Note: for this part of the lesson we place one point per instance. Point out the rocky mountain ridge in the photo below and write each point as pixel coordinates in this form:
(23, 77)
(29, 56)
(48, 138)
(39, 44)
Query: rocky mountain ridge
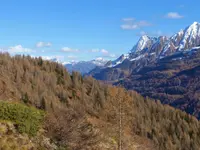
(148, 50)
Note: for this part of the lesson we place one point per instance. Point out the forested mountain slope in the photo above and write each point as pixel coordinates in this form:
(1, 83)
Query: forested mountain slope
(82, 113)
(174, 80)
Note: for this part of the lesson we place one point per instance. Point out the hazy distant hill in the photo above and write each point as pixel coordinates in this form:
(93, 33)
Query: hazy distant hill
(85, 66)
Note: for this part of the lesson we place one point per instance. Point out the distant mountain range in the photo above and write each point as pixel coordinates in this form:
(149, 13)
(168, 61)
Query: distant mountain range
(85, 66)
(162, 68)
(148, 50)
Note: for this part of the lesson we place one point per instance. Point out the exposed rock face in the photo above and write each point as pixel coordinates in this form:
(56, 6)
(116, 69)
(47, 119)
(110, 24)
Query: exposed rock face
(147, 50)
(162, 68)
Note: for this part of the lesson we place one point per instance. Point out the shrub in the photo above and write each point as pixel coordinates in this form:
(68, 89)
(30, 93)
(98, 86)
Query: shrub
(27, 119)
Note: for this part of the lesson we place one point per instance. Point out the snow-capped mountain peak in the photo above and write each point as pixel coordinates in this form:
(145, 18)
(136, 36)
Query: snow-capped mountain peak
(191, 36)
(72, 62)
(143, 43)
(177, 35)
(99, 61)
(194, 24)
(85, 66)
(117, 61)
(157, 48)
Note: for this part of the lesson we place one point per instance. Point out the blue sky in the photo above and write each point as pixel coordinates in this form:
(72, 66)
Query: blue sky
(86, 29)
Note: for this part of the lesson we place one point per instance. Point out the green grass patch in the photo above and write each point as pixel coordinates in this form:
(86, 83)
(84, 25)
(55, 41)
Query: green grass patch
(27, 119)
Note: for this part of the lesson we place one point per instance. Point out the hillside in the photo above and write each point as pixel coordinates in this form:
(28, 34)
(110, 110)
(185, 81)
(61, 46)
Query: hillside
(163, 68)
(174, 80)
(19, 125)
(82, 113)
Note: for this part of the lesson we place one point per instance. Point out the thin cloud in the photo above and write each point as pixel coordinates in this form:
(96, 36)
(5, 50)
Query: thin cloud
(43, 44)
(152, 33)
(173, 15)
(143, 24)
(104, 51)
(156, 33)
(129, 26)
(128, 19)
(112, 56)
(67, 49)
(99, 58)
(182, 6)
(72, 57)
(58, 57)
(132, 24)
(94, 50)
(107, 54)
(141, 33)
(19, 49)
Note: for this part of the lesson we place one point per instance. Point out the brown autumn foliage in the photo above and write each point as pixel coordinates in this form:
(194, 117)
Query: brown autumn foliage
(84, 113)
(174, 80)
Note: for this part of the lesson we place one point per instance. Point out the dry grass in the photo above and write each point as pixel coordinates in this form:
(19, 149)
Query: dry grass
(10, 139)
